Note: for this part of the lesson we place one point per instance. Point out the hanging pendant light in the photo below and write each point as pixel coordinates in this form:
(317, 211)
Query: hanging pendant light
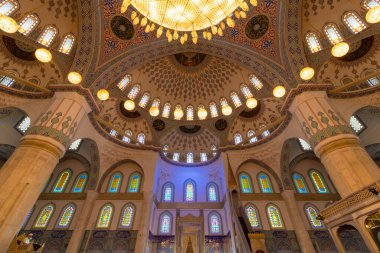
(74, 77)
(154, 111)
(226, 110)
(279, 91)
(307, 73)
(129, 105)
(373, 15)
(178, 113)
(251, 103)
(340, 49)
(43, 55)
(103, 94)
(8, 24)
(202, 113)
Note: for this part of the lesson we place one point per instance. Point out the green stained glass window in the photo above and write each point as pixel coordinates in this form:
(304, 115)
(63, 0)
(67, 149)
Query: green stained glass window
(318, 182)
(66, 216)
(312, 215)
(245, 182)
(265, 184)
(115, 182)
(134, 182)
(127, 216)
(274, 217)
(104, 219)
(44, 216)
(252, 216)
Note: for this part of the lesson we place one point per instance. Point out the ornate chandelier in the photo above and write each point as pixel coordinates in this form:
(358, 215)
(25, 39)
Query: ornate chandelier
(182, 18)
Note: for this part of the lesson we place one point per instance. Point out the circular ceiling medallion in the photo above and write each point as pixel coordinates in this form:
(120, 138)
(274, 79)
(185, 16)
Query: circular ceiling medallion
(248, 113)
(19, 49)
(221, 124)
(358, 49)
(122, 28)
(257, 27)
(190, 129)
(158, 125)
(128, 114)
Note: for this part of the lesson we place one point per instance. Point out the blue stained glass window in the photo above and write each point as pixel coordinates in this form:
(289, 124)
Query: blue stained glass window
(300, 184)
(189, 191)
(165, 223)
(274, 217)
(252, 215)
(114, 184)
(66, 216)
(80, 183)
(265, 184)
(134, 182)
(62, 181)
(245, 182)
(168, 192)
(215, 225)
(212, 192)
(312, 215)
(318, 181)
(44, 216)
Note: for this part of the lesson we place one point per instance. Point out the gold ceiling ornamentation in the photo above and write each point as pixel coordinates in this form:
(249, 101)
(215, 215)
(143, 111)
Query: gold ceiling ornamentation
(186, 17)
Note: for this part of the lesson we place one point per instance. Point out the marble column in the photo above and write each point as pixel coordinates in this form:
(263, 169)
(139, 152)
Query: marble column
(82, 224)
(297, 220)
(348, 164)
(143, 233)
(24, 175)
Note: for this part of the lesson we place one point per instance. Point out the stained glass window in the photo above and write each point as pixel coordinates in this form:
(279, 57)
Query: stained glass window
(7, 81)
(24, 125)
(190, 191)
(134, 91)
(126, 137)
(127, 79)
(312, 215)
(369, 4)
(212, 192)
(190, 158)
(62, 181)
(66, 216)
(264, 182)
(250, 134)
(75, 145)
(203, 157)
(213, 148)
(274, 217)
(354, 22)
(213, 110)
(7, 7)
(238, 138)
(134, 182)
(176, 156)
(356, 124)
(144, 100)
(166, 110)
(255, 82)
(190, 113)
(141, 138)
(127, 216)
(28, 23)
(215, 225)
(80, 182)
(252, 216)
(313, 42)
(318, 181)
(304, 145)
(44, 216)
(266, 133)
(67, 44)
(48, 35)
(105, 216)
(115, 182)
(332, 33)
(113, 133)
(235, 99)
(167, 192)
(373, 81)
(165, 223)
(300, 184)
(246, 91)
(245, 182)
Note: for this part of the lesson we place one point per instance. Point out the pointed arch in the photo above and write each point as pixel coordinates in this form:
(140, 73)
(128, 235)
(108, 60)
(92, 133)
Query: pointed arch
(48, 35)
(66, 216)
(212, 192)
(115, 182)
(313, 42)
(124, 82)
(300, 183)
(62, 181)
(189, 191)
(127, 216)
(354, 22)
(275, 217)
(264, 182)
(167, 194)
(312, 214)
(318, 181)
(215, 226)
(44, 216)
(245, 183)
(28, 24)
(252, 215)
(80, 183)
(166, 223)
(105, 216)
(67, 43)
(332, 33)
(134, 182)
(7, 7)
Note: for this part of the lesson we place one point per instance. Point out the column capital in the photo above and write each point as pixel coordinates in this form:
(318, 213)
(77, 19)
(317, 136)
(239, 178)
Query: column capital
(335, 143)
(43, 142)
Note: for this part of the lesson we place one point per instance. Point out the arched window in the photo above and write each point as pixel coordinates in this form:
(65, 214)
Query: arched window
(203, 157)
(332, 33)
(245, 183)
(190, 191)
(176, 157)
(190, 112)
(167, 192)
(202, 116)
(274, 216)
(44, 216)
(246, 91)
(134, 182)
(127, 136)
(213, 148)
(212, 192)
(250, 134)
(166, 110)
(23, 125)
(356, 124)
(144, 99)
(134, 91)
(318, 181)
(28, 23)
(67, 44)
(189, 158)
(304, 145)
(235, 99)
(115, 182)
(264, 182)
(48, 35)
(7, 81)
(156, 103)
(165, 227)
(313, 43)
(300, 184)
(62, 181)
(215, 223)
(354, 22)
(255, 82)
(7, 7)
(312, 215)
(369, 4)
(252, 216)
(213, 110)
(114, 133)
(80, 183)
(66, 216)
(165, 148)
(105, 216)
(127, 216)
(238, 138)
(127, 79)
(75, 145)
(141, 138)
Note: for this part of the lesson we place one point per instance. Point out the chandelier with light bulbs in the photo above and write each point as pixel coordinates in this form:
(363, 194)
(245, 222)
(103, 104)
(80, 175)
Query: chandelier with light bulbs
(182, 18)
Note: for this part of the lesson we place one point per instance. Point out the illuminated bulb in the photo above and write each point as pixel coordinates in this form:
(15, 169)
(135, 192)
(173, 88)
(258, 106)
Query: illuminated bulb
(8, 24)
(230, 22)
(147, 29)
(185, 36)
(279, 91)
(152, 27)
(43, 55)
(178, 113)
(125, 5)
(154, 111)
(144, 21)
(182, 40)
(244, 6)
(209, 36)
(253, 2)
(226, 110)
(222, 25)
(307, 73)
(214, 29)
(133, 15)
(194, 33)
(195, 40)
(175, 35)
(251, 103)
(74, 78)
(237, 14)
(340, 49)
(204, 35)
(202, 113)
(243, 14)
(373, 15)
(220, 31)
(103, 94)
(136, 21)
(159, 31)
(129, 105)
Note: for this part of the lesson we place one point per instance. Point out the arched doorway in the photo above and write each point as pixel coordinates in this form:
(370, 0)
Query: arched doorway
(351, 239)
(372, 224)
